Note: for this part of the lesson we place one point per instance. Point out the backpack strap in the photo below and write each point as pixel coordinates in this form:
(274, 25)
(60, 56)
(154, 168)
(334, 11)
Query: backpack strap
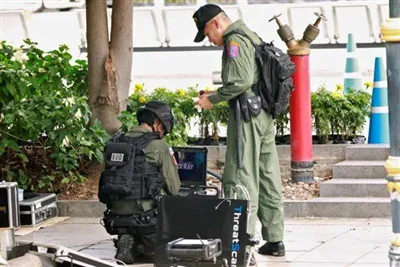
(141, 141)
(147, 138)
(243, 33)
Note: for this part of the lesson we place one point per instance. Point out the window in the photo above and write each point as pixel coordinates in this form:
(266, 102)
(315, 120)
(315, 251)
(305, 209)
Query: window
(223, 2)
(143, 2)
(180, 2)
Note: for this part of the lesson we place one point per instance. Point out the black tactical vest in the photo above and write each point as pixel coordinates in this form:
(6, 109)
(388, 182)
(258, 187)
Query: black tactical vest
(127, 175)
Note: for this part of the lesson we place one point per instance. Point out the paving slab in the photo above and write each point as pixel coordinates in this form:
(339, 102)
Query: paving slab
(309, 242)
(322, 255)
(374, 258)
(301, 245)
(306, 264)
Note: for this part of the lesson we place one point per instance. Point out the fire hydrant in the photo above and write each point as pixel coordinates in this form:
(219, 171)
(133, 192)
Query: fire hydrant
(300, 101)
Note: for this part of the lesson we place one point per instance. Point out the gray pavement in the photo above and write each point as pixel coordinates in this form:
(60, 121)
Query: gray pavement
(309, 242)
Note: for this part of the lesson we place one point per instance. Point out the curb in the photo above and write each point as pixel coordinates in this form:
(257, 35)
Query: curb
(316, 207)
(80, 208)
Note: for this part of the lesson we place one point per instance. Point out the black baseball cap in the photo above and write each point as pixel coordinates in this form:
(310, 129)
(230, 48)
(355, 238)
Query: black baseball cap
(202, 16)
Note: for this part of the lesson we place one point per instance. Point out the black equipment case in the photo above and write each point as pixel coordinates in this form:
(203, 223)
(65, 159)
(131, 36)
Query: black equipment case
(201, 218)
(37, 208)
(9, 211)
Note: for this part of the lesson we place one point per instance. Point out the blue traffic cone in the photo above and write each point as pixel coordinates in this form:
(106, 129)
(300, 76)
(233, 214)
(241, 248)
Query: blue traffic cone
(379, 120)
(352, 75)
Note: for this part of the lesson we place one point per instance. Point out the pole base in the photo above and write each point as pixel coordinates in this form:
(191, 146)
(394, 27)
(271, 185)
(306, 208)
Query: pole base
(302, 172)
(394, 256)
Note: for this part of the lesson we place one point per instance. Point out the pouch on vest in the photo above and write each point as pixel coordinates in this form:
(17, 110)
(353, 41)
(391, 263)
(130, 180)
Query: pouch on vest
(119, 160)
(119, 154)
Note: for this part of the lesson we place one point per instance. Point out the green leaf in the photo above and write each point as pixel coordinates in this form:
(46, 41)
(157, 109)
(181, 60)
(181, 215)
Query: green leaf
(23, 178)
(11, 144)
(23, 157)
(65, 180)
(12, 90)
(99, 155)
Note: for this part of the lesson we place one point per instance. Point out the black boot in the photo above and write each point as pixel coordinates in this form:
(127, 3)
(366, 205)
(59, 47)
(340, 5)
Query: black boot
(272, 248)
(124, 251)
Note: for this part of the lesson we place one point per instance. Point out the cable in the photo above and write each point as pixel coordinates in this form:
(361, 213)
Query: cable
(111, 259)
(248, 198)
(251, 257)
(219, 204)
(245, 191)
(216, 175)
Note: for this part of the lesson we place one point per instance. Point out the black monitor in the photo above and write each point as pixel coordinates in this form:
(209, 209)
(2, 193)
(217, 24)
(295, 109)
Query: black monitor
(192, 165)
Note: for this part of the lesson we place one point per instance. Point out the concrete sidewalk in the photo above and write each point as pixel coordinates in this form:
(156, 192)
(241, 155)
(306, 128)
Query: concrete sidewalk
(309, 242)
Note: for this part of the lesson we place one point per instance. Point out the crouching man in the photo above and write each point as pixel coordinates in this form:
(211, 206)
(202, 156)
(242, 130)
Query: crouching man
(139, 168)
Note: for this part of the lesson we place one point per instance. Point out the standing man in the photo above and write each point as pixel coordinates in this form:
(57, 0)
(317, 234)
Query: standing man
(139, 166)
(259, 173)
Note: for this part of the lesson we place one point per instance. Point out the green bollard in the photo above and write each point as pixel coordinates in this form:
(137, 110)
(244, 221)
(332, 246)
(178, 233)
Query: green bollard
(392, 166)
(390, 33)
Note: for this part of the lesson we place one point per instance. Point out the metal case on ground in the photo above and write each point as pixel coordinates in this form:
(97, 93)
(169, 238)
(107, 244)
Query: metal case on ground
(194, 249)
(9, 209)
(37, 208)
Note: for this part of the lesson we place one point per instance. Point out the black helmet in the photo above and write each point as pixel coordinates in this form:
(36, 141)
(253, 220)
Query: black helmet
(162, 111)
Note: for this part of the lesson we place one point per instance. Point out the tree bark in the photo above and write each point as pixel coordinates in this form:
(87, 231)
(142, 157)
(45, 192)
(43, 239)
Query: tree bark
(110, 63)
(121, 46)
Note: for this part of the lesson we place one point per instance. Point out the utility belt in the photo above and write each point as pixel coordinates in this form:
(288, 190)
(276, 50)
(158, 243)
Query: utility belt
(129, 224)
(250, 105)
(244, 106)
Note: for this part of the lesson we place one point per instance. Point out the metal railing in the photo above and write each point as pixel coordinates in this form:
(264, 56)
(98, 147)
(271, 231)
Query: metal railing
(166, 33)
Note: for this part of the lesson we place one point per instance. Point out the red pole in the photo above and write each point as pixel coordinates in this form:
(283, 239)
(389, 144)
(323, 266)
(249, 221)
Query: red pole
(300, 112)
(300, 122)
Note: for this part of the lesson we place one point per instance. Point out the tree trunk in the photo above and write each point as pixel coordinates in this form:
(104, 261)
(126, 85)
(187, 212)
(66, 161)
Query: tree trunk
(109, 64)
(121, 46)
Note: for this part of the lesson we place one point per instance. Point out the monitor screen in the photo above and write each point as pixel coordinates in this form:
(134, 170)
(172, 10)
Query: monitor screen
(192, 165)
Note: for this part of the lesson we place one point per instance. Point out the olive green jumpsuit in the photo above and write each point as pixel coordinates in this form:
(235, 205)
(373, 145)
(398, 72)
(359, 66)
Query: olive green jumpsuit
(260, 173)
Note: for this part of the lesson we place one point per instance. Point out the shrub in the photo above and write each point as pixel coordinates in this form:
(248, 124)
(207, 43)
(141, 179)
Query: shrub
(45, 138)
(338, 113)
(282, 124)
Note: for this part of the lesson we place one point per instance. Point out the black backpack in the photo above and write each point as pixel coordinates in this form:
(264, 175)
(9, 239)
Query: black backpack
(275, 84)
